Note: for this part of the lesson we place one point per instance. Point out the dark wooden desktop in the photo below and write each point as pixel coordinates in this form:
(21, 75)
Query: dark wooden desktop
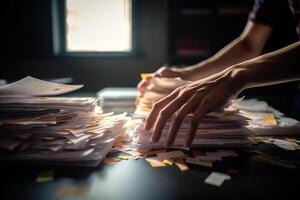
(137, 180)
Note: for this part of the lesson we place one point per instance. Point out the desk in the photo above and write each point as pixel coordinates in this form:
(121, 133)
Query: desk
(135, 179)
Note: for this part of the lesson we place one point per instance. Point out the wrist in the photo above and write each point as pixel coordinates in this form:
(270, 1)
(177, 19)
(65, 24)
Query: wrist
(239, 75)
(197, 71)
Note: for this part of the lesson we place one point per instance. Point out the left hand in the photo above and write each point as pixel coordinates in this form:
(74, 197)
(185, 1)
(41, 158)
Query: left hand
(199, 97)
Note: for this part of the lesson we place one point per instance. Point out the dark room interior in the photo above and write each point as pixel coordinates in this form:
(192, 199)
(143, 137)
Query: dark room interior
(60, 40)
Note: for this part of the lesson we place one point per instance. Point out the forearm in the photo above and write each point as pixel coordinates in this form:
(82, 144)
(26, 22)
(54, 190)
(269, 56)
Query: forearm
(279, 66)
(248, 45)
(235, 52)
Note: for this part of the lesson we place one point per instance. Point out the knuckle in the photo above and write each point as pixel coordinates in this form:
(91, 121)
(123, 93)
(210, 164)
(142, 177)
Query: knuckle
(156, 106)
(185, 91)
(178, 89)
(164, 113)
(178, 116)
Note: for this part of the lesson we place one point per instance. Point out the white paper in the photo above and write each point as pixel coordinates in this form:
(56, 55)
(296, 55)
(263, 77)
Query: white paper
(216, 178)
(30, 86)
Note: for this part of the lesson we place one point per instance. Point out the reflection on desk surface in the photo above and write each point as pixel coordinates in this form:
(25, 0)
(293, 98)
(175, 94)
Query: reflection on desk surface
(136, 179)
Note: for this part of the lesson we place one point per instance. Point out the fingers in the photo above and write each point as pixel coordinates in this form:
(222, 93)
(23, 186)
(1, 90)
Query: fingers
(209, 103)
(179, 117)
(143, 84)
(151, 119)
(165, 114)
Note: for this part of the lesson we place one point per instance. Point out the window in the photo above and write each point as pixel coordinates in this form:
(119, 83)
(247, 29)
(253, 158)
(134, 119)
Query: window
(93, 26)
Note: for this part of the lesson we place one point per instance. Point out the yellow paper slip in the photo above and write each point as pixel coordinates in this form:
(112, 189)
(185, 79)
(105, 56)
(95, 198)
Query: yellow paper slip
(168, 162)
(181, 165)
(155, 162)
(146, 75)
(171, 154)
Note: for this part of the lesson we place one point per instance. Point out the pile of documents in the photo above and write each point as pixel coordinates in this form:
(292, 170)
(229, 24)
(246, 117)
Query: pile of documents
(217, 129)
(117, 100)
(221, 128)
(266, 120)
(53, 130)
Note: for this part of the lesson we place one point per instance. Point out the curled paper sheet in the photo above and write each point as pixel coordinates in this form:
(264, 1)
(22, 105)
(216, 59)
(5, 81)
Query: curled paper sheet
(30, 86)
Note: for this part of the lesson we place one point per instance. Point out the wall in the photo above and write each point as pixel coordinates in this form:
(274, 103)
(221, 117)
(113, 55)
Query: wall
(27, 41)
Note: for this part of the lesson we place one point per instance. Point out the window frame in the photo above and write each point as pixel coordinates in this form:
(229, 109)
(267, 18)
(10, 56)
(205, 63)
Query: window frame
(58, 12)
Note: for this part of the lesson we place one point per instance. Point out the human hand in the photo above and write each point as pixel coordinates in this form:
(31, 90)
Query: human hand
(199, 97)
(162, 72)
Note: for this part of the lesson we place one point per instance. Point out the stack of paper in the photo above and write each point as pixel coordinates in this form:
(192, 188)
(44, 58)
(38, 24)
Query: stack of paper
(53, 130)
(218, 129)
(117, 100)
(265, 120)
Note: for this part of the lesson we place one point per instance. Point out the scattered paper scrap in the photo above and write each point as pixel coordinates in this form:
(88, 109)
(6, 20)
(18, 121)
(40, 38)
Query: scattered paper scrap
(65, 191)
(195, 161)
(290, 144)
(155, 162)
(146, 76)
(181, 165)
(216, 178)
(111, 161)
(151, 152)
(283, 144)
(125, 156)
(45, 176)
(171, 154)
(168, 162)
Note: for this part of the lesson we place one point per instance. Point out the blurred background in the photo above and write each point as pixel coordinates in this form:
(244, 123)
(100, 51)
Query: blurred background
(108, 43)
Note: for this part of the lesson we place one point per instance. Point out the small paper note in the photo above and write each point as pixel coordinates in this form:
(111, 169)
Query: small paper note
(181, 165)
(171, 154)
(155, 162)
(216, 178)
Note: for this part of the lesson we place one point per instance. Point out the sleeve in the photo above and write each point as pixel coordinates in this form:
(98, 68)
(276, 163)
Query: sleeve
(268, 12)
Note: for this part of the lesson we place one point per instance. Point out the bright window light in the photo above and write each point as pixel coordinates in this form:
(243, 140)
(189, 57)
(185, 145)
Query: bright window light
(98, 26)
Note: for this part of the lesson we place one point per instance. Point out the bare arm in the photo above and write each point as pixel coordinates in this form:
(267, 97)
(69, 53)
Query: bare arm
(276, 67)
(248, 45)
(206, 95)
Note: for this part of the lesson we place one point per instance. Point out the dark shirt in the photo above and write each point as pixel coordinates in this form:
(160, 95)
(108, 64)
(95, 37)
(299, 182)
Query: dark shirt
(275, 12)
